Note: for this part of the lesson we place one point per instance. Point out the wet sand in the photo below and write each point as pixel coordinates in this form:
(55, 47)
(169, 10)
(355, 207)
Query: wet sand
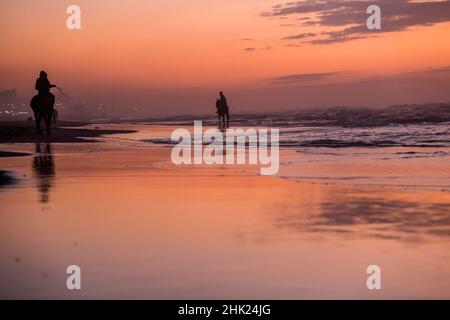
(5, 179)
(63, 132)
(4, 154)
(140, 227)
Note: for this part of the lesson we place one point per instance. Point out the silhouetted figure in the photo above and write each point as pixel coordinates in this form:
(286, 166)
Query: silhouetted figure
(43, 86)
(219, 107)
(44, 169)
(223, 110)
(43, 103)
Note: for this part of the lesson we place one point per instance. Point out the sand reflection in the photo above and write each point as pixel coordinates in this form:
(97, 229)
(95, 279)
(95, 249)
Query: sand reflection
(376, 214)
(44, 170)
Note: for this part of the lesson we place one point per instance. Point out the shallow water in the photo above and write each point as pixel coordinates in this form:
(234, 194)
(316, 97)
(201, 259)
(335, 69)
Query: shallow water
(139, 227)
(412, 135)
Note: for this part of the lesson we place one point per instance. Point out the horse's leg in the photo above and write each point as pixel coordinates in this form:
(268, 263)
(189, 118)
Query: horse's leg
(35, 113)
(38, 119)
(48, 121)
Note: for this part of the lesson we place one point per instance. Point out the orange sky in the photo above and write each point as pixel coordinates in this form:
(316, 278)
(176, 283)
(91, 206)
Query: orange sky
(161, 46)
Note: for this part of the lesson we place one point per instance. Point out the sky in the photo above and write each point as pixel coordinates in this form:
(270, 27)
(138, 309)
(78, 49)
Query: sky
(173, 56)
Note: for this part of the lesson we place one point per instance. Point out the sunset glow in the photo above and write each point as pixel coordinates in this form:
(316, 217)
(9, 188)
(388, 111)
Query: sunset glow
(150, 51)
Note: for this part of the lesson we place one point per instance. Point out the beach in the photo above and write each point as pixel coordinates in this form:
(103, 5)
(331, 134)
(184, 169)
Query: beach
(64, 132)
(225, 156)
(141, 227)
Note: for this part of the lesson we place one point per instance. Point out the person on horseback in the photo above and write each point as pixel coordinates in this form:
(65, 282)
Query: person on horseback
(224, 109)
(43, 103)
(43, 87)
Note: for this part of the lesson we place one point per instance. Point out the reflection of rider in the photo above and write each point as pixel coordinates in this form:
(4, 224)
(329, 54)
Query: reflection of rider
(43, 86)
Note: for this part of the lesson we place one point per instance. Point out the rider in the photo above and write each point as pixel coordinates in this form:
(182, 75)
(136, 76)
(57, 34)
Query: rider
(225, 108)
(43, 87)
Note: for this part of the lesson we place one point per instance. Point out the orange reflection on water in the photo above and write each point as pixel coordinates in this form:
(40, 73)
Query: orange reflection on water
(141, 228)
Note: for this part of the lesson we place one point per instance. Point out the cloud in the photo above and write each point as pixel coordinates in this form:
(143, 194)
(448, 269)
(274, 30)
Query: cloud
(292, 45)
(432, 71)
(444, 69)
(251, 49)
(300, 36)
(304, 77)
(348, 17)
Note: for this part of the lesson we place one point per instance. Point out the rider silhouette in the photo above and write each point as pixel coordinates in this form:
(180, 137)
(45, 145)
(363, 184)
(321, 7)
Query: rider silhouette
(43, 104)
(224, 109)
(43, 87)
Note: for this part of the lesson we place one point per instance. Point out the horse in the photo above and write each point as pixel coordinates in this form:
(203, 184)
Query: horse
(222, 111)
(43, 109)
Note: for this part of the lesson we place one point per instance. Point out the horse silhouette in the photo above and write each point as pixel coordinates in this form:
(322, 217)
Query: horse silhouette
(223, 111)
(43, 109)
